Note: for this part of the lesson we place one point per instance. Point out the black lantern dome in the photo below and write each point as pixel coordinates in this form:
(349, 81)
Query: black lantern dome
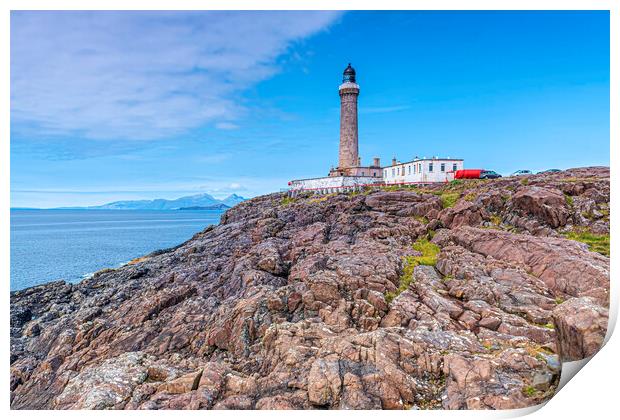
(349, 75)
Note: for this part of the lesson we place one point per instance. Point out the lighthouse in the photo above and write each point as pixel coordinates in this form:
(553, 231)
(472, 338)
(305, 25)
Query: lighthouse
(349, 161)
(349, 90)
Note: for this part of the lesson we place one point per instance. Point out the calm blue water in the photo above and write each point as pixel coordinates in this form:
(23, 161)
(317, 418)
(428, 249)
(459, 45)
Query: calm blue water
(49, 245)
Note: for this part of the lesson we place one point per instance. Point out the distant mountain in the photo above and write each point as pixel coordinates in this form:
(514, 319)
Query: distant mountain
(198, 200)
(220, 206)
(232, 200)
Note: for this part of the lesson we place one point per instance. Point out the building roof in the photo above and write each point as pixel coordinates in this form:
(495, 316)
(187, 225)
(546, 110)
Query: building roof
(422, 160)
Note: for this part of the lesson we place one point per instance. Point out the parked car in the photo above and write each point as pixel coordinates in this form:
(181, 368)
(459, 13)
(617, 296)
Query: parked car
(550, 171)
(489, 175)
(522, 172)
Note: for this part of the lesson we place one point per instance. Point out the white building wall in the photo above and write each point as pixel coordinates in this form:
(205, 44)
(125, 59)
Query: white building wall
(333, 183)
(422, 171)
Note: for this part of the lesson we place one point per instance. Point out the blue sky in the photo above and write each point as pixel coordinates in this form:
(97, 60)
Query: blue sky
(129, 105)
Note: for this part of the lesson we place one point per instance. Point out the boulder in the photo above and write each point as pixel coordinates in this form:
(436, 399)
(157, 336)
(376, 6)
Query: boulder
(581, 324)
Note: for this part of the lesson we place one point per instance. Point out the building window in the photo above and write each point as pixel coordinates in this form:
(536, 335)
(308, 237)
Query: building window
(393, 172)
(409, 169)
(430, 167)
(419, 167)
(454, 167)
(362, 173)
(443, 167)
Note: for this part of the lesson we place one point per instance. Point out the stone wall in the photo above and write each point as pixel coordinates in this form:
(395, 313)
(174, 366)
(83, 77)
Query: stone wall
(332, 184)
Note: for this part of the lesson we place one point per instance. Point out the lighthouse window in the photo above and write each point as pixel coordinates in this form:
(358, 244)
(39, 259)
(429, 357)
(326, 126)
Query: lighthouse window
(443, 167)
(454, 167)
(430, 167)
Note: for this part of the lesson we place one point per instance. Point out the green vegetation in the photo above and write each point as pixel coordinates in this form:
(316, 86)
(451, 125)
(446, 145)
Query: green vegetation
(596, 243)
(496, 220)
(286, 200)
(559, 300)
(569, 200)
(470, 196)
(429, 257)
(529, 391)
(449, 199)
(525, 181)
(422, 219)
(448, 277)
(321, 198)
(429, 252)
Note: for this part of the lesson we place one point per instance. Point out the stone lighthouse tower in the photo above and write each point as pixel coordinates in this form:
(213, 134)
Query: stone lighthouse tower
(348, 156)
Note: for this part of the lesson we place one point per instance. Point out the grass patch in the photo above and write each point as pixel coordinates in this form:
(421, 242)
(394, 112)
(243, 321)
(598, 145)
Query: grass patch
(321, 198)
(422, 219)
(286, 200)
(429, 252)
(529, 391)
(525, 181)
(596, 243)
(470, 196)
(569, 200)
(559, 300)
(429, 257)
(449, 199)
(496, 220)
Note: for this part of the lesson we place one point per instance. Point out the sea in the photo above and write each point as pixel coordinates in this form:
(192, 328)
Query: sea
(71, 245)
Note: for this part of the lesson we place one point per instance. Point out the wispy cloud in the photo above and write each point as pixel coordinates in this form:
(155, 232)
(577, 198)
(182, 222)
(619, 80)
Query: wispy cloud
(143, 75)
(226, 126)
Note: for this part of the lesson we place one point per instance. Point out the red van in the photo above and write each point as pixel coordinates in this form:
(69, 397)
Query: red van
(468, 174)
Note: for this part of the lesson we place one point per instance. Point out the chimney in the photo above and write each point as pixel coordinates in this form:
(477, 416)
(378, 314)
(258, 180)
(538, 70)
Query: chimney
(376, 162)
(394, 161)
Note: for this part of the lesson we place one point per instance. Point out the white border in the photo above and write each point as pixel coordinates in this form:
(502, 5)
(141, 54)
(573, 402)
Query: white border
(592, 395)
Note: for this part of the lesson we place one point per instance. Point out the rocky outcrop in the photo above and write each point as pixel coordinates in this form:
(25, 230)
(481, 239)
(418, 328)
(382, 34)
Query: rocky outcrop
(581, 324)
(324, 302)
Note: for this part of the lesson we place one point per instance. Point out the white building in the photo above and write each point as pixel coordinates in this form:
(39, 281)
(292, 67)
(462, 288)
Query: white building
(333, 184)
(421, 171)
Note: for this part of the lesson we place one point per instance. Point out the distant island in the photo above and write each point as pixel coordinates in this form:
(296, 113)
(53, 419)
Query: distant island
(191, 202)
(220, 206)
